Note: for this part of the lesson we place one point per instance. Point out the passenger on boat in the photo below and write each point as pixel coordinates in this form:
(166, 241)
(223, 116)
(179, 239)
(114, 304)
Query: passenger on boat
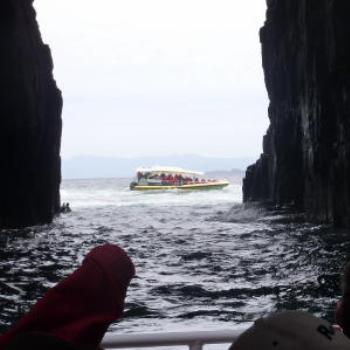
(342, 313)
(77, 311)
(188, 180)
(162, 178)
(291, 330)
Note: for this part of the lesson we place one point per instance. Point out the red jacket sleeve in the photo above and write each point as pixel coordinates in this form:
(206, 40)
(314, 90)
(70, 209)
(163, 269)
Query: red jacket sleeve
(81, 307)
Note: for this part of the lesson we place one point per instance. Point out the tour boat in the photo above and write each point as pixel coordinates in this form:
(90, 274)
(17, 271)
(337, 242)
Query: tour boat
(169, 178)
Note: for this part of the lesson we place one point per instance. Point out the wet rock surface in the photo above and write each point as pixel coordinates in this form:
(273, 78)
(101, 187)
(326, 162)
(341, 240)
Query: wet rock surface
(30, 120)
(305, 160)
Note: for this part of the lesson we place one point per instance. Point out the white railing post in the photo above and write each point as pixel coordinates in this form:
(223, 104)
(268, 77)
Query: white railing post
(197, 345)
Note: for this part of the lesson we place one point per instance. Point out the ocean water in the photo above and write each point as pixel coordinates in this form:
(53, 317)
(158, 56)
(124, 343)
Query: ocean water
(204, 261)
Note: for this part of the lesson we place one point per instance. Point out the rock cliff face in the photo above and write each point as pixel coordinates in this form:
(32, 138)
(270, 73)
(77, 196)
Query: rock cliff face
(305, 160)
(30, 121)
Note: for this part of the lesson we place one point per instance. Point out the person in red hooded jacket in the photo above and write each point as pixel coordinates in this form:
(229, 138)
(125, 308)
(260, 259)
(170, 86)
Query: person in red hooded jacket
(76, 313)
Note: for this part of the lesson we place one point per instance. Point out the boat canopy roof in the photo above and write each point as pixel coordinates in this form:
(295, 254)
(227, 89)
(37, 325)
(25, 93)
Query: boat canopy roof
(167, 170)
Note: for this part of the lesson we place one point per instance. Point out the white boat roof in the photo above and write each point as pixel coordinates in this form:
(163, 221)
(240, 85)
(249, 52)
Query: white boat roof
(167, 170)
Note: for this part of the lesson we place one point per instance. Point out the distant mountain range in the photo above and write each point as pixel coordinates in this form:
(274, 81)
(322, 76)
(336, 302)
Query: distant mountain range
(95, 166)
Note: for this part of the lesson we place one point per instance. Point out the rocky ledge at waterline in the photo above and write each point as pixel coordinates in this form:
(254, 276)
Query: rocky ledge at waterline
(306, 60)
(30, 120)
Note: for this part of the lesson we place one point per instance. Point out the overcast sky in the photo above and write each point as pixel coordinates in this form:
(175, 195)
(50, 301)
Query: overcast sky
(158, 77)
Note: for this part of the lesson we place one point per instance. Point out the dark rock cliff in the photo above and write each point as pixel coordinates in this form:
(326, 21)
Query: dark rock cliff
(30, 120)
(305, 160)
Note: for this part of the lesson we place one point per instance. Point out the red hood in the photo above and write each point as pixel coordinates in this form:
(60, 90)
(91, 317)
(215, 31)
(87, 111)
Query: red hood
(81, 307)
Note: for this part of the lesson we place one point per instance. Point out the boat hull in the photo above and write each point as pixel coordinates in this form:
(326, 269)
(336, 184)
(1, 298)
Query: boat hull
(198, 186)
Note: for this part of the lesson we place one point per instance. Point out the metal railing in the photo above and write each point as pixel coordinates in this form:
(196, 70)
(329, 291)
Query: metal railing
(194, 340)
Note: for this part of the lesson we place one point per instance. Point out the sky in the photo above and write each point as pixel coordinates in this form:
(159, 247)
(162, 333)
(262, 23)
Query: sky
(158, 77)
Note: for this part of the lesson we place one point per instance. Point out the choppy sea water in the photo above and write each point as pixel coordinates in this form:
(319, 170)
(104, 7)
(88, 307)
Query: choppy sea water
(203, 260)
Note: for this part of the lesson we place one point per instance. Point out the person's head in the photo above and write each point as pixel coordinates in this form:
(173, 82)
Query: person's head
(291, 330)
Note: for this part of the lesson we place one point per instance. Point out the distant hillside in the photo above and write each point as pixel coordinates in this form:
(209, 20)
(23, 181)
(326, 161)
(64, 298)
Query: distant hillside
(93, 166)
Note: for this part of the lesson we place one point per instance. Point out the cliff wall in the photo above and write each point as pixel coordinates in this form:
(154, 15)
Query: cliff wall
(306, 60)
(30, 121)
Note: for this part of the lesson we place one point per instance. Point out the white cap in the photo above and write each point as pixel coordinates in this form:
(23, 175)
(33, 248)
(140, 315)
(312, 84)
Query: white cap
(291, 330)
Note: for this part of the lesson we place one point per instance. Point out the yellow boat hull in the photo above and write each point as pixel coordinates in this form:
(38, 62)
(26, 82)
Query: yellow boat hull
(198, 186)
